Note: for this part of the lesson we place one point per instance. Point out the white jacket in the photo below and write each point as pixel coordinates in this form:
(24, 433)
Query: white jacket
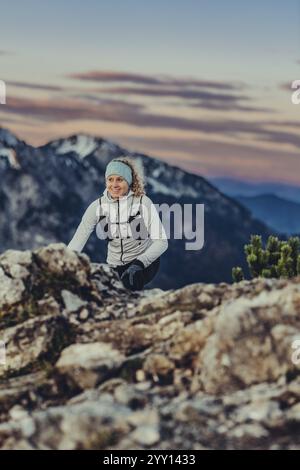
(121, 219)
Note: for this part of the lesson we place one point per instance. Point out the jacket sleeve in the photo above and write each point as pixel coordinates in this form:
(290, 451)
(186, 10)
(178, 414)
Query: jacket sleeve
(85, 228)
(156, 232)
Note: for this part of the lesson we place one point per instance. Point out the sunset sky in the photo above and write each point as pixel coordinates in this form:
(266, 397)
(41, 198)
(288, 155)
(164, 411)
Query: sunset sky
(204, 85)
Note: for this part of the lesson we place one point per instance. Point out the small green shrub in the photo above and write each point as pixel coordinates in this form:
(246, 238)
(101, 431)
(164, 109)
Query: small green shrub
(279, 259)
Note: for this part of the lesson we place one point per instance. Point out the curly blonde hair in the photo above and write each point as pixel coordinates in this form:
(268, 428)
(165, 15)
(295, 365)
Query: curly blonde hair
(138, 182)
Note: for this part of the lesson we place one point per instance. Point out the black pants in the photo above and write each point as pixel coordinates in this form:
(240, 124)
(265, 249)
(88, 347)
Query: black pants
(146, 274)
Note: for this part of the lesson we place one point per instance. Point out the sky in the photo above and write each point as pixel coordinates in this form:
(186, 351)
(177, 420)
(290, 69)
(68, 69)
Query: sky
(203, 85)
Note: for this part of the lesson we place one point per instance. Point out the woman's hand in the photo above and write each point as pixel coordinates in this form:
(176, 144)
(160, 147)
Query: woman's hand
(132, 277)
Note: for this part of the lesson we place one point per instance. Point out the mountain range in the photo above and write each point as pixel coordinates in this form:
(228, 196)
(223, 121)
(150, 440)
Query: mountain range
(45, 190)
(280, 214)
(234, 187)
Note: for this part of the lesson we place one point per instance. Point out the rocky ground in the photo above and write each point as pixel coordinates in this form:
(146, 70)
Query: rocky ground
(91, 365)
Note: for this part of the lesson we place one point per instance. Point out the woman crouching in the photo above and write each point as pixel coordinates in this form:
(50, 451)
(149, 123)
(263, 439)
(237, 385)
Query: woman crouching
(127, 218)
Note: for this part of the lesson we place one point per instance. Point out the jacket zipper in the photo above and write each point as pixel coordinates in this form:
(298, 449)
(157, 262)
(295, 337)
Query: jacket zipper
(120, 230)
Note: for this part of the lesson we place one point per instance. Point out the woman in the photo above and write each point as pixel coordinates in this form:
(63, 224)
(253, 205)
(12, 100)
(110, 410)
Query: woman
(130, 221)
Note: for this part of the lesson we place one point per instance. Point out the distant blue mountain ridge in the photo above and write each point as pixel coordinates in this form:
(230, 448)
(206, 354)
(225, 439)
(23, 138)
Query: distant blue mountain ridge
(235, 187)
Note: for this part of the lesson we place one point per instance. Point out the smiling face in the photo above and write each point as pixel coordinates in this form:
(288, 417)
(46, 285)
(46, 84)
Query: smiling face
(116, 186)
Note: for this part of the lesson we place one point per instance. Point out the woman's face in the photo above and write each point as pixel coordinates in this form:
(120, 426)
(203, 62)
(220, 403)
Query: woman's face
(116, 186)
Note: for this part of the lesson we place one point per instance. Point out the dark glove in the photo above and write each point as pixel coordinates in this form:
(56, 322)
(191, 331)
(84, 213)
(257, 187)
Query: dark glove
(132, 278)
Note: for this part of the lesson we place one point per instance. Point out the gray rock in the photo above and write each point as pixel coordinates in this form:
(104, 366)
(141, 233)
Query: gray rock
(72, 302)
(33, 342)
(146, 435)
(86, 365)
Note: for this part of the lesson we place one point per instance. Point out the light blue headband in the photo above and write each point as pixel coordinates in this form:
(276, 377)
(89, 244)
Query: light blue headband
(119, 168)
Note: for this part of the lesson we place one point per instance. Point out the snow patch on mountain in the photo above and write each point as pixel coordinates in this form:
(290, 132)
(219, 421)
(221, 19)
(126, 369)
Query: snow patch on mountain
(11, 157)
(82, 144)
(177, 191)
